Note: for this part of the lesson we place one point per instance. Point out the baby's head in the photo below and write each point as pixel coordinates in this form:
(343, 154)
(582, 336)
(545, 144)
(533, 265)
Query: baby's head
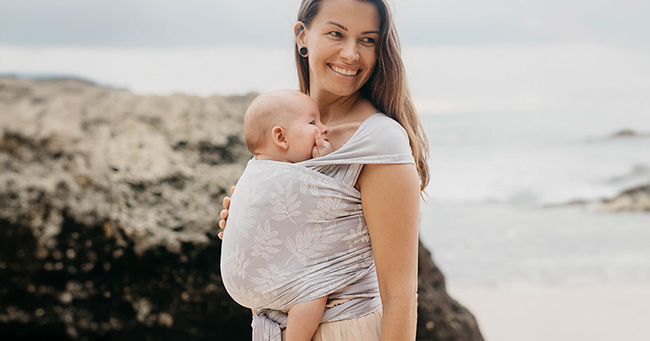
(283, 125)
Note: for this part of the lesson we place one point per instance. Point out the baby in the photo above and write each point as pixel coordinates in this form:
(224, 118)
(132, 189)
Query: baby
(285, 126)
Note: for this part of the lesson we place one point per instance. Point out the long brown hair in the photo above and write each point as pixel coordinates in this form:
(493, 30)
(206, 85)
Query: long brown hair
(387, 87)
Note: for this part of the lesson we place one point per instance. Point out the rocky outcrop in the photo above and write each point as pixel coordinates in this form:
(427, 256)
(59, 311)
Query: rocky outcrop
(636, 199)
(440, 317)
(108, 210)
(625, 133)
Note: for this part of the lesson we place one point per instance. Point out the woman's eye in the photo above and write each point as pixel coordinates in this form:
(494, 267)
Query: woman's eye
(369, 41)
(336, 34)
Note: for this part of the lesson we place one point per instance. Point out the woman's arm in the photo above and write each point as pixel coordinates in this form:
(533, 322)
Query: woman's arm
(390, 196)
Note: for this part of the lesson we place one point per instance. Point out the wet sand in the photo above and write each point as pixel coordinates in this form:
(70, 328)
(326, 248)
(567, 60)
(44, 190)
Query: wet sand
(587, 313)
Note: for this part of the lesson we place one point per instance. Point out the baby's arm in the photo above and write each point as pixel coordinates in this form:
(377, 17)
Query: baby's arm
(304, 318)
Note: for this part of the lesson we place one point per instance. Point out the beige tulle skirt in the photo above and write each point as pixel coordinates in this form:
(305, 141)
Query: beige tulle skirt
(364, 328)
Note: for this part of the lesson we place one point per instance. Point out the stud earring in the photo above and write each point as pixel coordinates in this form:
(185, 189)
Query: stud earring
(303, 51)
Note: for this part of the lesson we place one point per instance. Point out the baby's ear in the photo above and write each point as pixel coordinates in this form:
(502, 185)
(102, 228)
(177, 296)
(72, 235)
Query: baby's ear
(279, 137)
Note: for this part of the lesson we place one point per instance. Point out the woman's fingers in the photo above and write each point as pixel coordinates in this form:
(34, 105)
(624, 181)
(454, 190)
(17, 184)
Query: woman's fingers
(224, 213)
(222, 225)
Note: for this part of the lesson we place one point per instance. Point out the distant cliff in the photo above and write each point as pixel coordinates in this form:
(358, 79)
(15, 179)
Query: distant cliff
(109, 205)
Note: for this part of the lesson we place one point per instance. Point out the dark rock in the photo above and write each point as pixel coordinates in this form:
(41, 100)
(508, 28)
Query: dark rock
(629, 133)
(635, 199)
(440, 317)
(108, 210)
(625, 133)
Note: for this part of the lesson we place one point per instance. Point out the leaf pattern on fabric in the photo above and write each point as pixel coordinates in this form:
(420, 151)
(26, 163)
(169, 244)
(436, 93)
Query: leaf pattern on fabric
(357, 235)
(309, 244)
(241, 294)
(238, 263)
(308, 183)
(248, 212)
(284, 203)
(265, 241)
(271, 278)
(328, 209)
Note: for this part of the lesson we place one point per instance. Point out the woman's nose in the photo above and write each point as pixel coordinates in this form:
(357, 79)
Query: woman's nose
(349, 52)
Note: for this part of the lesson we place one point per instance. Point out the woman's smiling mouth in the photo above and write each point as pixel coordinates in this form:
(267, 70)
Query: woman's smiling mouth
(343, 72)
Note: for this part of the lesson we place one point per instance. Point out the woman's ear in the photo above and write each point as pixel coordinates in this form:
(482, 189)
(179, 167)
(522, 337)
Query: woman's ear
(300, 32)
(279, 137)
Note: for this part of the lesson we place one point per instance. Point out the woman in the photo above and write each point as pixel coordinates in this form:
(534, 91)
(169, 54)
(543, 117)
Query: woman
(349, 63)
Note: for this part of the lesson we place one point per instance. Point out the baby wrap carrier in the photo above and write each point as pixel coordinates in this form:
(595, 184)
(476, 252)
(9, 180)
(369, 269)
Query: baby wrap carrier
(295, 234)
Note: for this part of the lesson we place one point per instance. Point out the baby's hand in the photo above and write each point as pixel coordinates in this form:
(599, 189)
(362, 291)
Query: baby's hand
(322, 147)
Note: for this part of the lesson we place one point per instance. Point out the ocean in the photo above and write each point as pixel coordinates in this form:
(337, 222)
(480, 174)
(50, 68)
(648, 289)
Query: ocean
(494, 216)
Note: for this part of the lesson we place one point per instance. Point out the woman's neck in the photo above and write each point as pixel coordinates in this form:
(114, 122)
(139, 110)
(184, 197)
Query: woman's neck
(335, 108)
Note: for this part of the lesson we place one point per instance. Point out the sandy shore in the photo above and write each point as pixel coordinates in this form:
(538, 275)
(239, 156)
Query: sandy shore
(592, 313)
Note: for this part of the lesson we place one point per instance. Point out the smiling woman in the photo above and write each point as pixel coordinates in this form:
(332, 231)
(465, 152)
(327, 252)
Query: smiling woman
(370, 53)
(349, 63)
(338, 52)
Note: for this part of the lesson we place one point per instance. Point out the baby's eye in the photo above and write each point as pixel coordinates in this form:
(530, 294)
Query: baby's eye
(312, 122)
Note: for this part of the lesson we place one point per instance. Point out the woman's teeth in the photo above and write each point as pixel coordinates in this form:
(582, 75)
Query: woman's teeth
(344, 72)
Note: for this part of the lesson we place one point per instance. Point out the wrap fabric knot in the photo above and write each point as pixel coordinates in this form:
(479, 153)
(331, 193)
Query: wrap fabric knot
(296, 232)
(266, 328)
(268, 324)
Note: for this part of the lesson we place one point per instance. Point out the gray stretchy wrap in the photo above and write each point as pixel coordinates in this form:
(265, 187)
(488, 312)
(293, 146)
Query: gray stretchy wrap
(295, 234)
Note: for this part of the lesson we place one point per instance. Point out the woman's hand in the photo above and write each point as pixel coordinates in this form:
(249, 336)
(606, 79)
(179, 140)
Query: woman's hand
(224, 213)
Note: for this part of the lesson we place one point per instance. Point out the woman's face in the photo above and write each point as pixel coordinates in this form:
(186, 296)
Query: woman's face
(341, 41)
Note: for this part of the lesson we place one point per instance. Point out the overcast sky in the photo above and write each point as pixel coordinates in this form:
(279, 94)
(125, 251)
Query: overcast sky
(195, 23)
(461, 55)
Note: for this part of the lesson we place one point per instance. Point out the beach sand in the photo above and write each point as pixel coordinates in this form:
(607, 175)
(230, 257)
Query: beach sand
(560, 313)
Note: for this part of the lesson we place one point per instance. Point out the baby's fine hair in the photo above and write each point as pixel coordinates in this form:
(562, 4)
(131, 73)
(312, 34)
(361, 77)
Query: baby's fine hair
(266, 110)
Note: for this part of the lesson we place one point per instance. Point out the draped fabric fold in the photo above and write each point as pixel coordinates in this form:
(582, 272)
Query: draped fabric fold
(295, 234)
